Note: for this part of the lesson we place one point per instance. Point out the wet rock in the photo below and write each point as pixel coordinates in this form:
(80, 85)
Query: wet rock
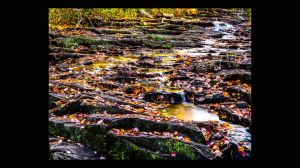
(216, 34)
(244, 76)
(120, 147)
(227, 64)
(186, 44)
(125, 79)
(110, 31)
(234, 118)
(203, 24)
(55, 57)
(157, 44)
(162, 31)
(245, 95)
(69, 151)
(53, 98)
(199, 68)
(147, 63)
(89, 108)
(107, 85)
(241, 105)
(129, 42)
(175, 78)
(172, 98)
(215, 98)
(233, 47)
(197, 83)
(245, 64)
(231, 153)
(87, 63)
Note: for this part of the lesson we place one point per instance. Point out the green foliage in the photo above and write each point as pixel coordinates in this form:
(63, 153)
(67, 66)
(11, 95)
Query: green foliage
(76, 41)
(248, 11)
(154, 37)
(73, 16)
(69, 42)
(76, 16)
(68, 16)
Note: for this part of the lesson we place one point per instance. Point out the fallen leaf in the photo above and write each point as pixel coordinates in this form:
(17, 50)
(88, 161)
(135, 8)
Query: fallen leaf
(225, 94)
(173, 154)
(240, 148)
(186, 139)
(55, 89)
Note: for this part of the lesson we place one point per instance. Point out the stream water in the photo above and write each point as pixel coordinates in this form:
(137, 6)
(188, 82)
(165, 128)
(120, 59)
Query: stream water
(191, 112)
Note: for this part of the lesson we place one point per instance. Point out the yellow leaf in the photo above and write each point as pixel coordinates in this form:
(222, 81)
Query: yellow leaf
(223, 116)
(225, 94)
(240, 148)
(186, 139)
(121, 131)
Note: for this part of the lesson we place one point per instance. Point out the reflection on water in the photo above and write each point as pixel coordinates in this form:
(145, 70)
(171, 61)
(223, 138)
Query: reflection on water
(189, 112)
(125, 58)
(95, 65)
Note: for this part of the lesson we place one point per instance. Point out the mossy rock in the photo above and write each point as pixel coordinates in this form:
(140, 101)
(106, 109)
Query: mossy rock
(168, 145)
(125, 147)
(77, 41)
(157, 45)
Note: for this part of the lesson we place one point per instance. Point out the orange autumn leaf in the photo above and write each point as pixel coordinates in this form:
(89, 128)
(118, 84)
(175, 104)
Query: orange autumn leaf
(148, 89)
(55, 89)
(229, 83)
(186, 139)
(225, 94)
(136, 91)
(238, 82)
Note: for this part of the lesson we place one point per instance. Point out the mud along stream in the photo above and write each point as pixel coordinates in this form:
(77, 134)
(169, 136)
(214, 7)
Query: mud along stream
(143, 89)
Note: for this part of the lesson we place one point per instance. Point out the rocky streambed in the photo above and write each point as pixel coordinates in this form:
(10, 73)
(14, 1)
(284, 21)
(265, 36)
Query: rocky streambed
(152, 88)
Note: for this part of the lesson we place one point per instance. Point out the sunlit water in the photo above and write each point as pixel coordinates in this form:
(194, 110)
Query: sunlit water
(189, 112)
